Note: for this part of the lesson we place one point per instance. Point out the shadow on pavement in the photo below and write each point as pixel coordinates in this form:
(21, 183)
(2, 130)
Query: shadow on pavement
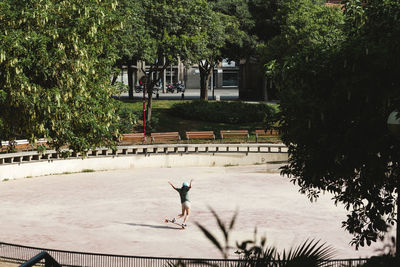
(152, 226)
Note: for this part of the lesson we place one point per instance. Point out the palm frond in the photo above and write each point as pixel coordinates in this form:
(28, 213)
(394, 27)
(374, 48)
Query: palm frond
(220, 224)
(210, 237)
(310, 253)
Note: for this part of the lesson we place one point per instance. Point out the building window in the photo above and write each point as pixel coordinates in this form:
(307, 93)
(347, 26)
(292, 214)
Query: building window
(228, 64)
(230, 78)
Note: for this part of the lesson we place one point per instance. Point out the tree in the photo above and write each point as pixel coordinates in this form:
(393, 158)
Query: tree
(245, 43)
(257, 24)
(263, 13)
(221, 29)
(55, 64)
(173, 29)
(129, 38)
(336, 95)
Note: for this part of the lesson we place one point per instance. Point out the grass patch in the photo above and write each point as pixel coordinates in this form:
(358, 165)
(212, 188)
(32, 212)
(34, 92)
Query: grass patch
(66, 173)
(231, 165)
(233, 112)
(6, 180)
(88, 170)
(165, 120)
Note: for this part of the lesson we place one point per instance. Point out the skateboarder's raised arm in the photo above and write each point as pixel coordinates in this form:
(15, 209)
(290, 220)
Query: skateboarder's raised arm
(190, 185)
(172, 185)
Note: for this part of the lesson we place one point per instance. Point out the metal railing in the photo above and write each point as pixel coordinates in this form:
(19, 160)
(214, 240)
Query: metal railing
(48, 260)
(18, 253)
(32, 156)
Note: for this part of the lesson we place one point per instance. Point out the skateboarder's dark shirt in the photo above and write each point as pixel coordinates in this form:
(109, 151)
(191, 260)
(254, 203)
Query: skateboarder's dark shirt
(183, 193)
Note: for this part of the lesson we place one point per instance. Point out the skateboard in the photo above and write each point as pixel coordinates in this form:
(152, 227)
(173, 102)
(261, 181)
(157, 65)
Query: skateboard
(170, 221)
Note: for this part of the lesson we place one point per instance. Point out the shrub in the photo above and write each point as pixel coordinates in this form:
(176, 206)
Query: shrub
(128, 119)
(223, 112)
(382, 261)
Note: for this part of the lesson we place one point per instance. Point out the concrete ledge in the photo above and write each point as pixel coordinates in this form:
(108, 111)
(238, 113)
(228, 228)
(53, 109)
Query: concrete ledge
(29, 164)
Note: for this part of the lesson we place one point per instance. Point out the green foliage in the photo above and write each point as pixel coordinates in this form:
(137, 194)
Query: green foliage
(263, 13)
(337, 90)
(88, 170)
(229, 112)
(128, 37)
(382, 261)
(120, 88)
(305, 27)
(55, 64)
(221, 30)
(169, 30)
(244, 44)
(172, 28)
(256, 253)
(128, 119)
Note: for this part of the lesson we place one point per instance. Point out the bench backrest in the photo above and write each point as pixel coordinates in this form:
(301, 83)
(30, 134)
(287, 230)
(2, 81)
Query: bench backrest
(200, 134)
(133, 135)
(235, 133)
(166, 135)
(19, 144)
(266, 132)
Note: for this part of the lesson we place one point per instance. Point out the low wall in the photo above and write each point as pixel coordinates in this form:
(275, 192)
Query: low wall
(30, 164)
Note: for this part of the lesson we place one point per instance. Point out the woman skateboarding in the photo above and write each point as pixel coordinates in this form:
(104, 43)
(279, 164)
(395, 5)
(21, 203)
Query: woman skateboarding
(184, 195)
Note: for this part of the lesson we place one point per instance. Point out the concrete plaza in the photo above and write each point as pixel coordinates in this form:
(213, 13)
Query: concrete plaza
(122, 212)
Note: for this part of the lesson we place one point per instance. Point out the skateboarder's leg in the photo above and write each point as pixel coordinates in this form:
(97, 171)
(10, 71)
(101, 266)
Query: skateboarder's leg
(182, 214)
(187, 211)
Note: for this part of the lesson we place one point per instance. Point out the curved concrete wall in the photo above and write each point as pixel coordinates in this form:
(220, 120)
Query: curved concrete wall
(144, 160)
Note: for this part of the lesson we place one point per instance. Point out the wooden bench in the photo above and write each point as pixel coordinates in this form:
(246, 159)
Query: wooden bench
(22, 145)
(41, 141)
(19, 145)
(266, 133)
(200, 135)
(131, 138)
(234, 133)
(165, 136)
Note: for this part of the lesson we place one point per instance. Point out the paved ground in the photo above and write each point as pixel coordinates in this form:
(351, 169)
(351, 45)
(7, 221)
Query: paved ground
(190, 94)
(122, 212)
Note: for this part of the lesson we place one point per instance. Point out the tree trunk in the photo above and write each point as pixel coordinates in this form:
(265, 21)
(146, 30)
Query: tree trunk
(397, 224)
(149, 88)
(208, 81)
(152, 78)
(130, 81)
(203, 85)
(114, 79)
(149, 106)
(207, 85)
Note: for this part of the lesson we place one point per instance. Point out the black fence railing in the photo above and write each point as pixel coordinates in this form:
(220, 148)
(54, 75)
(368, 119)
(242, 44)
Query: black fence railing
(48, 260)
(21, 254)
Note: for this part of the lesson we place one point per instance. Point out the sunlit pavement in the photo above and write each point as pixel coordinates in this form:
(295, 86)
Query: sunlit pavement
(122, 212)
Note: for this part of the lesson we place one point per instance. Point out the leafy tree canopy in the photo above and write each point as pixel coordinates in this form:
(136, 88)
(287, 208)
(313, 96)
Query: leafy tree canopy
(55, 59)
(172, 29)
(337, 89)
(132, 32)
(220, 31)
(257, 24)
(244, 44)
